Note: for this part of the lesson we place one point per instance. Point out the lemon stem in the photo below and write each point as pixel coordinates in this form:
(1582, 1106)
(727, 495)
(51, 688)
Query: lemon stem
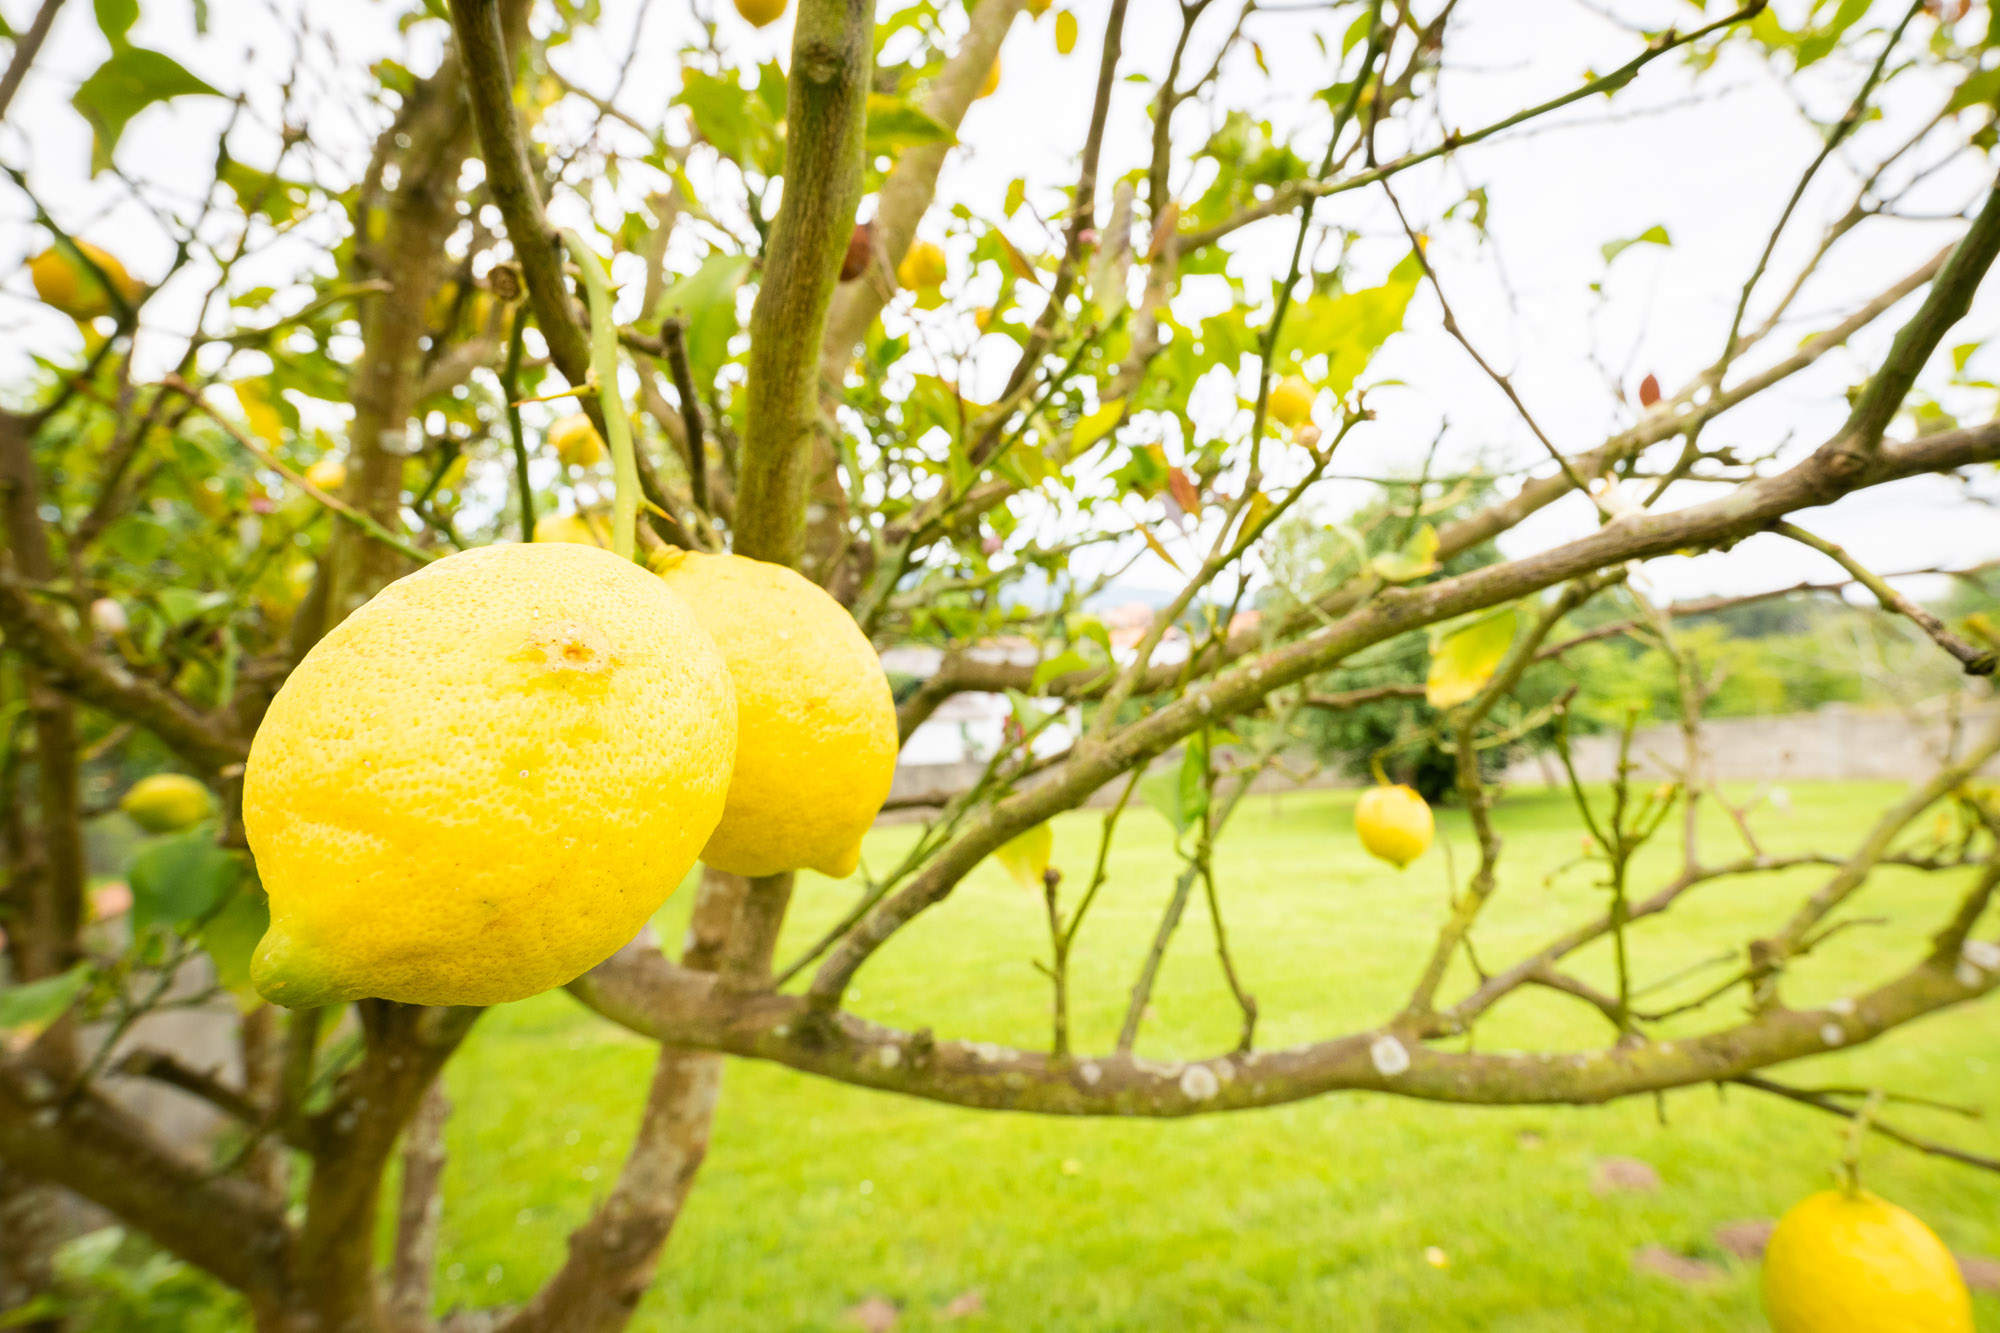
(1375, 767)
(604, 369)
(1857, 1133)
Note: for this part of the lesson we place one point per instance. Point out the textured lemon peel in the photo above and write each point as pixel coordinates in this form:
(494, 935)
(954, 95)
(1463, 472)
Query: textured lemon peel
(486, 780)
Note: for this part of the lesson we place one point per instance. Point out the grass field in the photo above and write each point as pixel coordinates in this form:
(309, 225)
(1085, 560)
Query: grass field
(1312, 1216)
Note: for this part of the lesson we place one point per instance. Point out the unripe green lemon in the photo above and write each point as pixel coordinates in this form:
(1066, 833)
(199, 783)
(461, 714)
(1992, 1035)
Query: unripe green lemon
(761, 13)
(1394, 824)
(816, 724)
(1844, 1262)
(485, 781)
(166, 802)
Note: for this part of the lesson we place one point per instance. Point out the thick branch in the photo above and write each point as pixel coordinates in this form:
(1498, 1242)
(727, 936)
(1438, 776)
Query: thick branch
(652, 997)
(825, 123)
(81, 1141)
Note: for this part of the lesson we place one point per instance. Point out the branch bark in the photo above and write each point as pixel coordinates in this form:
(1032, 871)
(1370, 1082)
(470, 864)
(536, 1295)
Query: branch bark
(826, 116)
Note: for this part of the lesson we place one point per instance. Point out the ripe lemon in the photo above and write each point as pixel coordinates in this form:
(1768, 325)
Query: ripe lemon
(924, 266)
(329, 474)
(1854, 1263)
(485, 780)
(816, 726)
(992, 84)
(166, 802)
(1291, 401)
(1394, 823)
(572, 528)
(576, 441)
(73, 289)
(761, 13)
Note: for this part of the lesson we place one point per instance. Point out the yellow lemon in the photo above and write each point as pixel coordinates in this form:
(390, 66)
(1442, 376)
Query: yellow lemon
(992, 84)
(166, 802)
(924, 266)
(1854, 1263)
(1291, 401)
(484, 781)
(816, 726)
(572, 528)
(761, 13)
(1394, 824)
(576, 441)
(73, 289)
(329, 474)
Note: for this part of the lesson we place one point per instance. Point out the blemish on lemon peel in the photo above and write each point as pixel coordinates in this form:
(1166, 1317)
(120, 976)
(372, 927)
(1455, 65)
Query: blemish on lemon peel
(569, 645)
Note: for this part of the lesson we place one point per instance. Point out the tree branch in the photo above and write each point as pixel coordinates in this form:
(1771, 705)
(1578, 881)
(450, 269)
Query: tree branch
(1976, 662)
(825, 124)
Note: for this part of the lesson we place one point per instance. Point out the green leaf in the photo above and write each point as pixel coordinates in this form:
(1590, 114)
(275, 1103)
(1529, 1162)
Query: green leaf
(1094, 427)
(178, 879)
(1182, 797)
(180, 605)
(1979, 89)
(1465, 656)
(893, 123)
(1060, 665)
(39, 1003)
(706, 300)
(123, 86)
(731, 120)
(115, 19)
(1026, 857)
(1819, 43)
(1653, 235)
(1350, 328)
(1417, 558)
(231, 935)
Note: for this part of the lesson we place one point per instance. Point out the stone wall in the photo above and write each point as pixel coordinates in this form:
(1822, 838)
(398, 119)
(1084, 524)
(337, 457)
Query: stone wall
(1836, 743)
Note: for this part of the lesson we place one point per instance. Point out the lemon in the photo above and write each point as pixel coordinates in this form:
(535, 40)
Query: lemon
(992, 84)
(329, 474)
(924, 266)
(1394, 824)
(816, 726)
(576, 441)
(572, 528)
(73, 289)
(1854, 1263)
(761, 13)
(166, 802)
(485, 780)
(1291, 401)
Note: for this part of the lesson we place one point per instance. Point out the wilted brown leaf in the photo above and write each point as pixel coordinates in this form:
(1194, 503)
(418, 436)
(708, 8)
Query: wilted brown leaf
(1746, 1239)
(1676, 1267)
(1629, 1175)
(876, 1314)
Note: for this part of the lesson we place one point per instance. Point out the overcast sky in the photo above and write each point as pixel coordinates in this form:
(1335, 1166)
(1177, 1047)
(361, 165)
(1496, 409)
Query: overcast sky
(1714, 172)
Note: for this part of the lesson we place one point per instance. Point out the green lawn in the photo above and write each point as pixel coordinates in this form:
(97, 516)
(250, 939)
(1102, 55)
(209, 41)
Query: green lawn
(1313, 1216)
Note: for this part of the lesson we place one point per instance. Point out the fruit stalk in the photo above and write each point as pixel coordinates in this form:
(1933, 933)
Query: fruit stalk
(604, 369)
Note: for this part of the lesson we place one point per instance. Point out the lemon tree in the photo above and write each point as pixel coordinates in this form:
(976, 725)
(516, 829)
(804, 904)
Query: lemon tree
(490, 484)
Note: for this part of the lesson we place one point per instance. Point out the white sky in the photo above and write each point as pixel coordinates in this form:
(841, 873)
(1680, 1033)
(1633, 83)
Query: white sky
(1715, 173)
